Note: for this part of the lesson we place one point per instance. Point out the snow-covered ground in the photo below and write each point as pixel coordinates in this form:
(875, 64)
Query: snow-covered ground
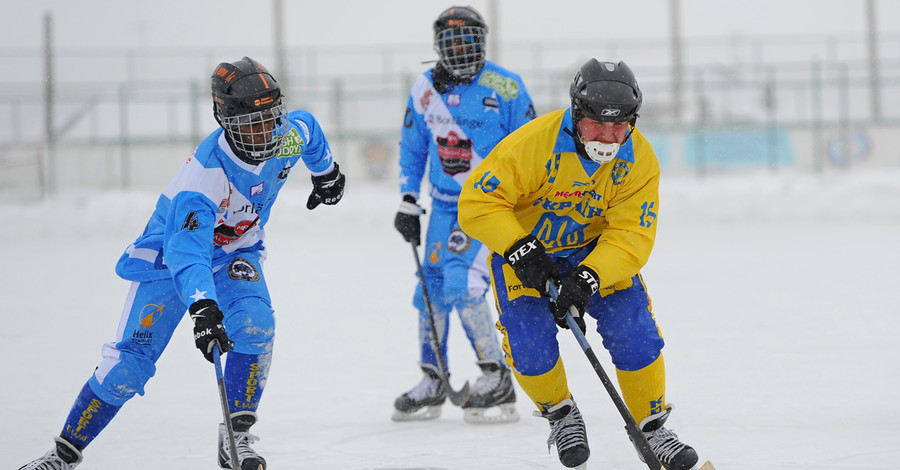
(777, 295)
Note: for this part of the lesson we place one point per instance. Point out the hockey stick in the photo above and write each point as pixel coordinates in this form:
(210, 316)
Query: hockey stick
(457, 398)
(637, 437)
(226, 414)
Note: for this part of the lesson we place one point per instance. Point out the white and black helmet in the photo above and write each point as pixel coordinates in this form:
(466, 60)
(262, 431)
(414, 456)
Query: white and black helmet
(459, 40)
(247, 103)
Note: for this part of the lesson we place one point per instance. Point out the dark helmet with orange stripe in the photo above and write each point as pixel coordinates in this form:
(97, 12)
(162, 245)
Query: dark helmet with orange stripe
(459, 40)
(248, 104)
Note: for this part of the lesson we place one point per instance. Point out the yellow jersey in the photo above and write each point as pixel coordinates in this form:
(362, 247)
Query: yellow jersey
(534, 182)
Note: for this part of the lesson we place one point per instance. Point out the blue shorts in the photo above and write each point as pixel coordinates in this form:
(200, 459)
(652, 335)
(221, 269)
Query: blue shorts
(153, 310)
(455, 265)
(623, 313)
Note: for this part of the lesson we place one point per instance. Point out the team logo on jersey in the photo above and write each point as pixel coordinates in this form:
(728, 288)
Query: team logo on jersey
(426, 98)
(619, 171)
(226, 234)
(435, 254)
(258, 189)
(454, 99)
(292, 144)
(242, 270)
(455, 153)
(458, 242)
(149, 314)
(506, 87)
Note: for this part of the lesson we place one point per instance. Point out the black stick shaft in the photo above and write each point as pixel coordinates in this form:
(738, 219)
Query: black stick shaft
(226, 413)
(637, 437)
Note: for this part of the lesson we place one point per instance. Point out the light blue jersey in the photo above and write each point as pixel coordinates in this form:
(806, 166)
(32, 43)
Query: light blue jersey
(216, 196)
(450, 133)
(457, 129)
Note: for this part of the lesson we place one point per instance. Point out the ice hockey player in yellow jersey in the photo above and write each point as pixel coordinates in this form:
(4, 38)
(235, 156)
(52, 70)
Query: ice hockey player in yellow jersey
(572, 198)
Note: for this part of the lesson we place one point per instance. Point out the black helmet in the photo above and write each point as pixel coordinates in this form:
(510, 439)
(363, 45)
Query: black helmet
(459, 41)
(605, 91)
(247, 103)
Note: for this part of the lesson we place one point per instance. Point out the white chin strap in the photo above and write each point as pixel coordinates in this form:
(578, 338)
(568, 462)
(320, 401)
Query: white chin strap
(600, 152)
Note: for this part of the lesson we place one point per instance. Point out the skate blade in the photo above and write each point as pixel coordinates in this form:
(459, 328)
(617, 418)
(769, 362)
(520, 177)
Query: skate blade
(422, 414)
(505, 413)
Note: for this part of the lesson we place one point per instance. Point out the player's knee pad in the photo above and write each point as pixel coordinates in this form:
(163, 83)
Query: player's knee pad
(250, 323)
(121, 375)
(530, 336)
(479, 324)
(462, 284)
(436, 297)
(634, 350)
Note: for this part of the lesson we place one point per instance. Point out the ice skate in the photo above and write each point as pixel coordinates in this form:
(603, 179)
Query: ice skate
(672, 453)
(63, 456)
(493, 398)
(567, 431)
(424, 401)
(250, 460)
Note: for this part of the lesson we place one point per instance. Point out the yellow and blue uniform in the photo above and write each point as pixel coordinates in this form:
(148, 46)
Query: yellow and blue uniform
(602, 216)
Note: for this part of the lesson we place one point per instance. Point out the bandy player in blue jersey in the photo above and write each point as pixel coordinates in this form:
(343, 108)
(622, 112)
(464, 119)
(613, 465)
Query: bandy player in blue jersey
(202, 252)
(456, 113)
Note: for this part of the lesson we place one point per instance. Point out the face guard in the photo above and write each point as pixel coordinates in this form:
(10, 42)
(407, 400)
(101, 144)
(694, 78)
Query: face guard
(604, 92)
(461, 50)
(600, 152)
(258, 135)
(248, 104)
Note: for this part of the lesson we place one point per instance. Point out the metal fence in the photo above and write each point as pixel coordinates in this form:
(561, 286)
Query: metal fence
(128, 98)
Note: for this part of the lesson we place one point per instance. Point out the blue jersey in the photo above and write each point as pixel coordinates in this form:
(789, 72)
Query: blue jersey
(457, 129)
(216, 205)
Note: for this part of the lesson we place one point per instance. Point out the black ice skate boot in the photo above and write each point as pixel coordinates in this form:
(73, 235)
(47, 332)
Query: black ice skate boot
(493, 389)
(424, 400)
(672, 453)
(63, 456)
(567, 431)
(240, 423)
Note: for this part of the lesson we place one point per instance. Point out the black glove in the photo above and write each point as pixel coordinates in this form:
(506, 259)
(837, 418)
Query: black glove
(208, 328)
(575, 291)
(327, 189)
(407, 220)
(533, 267)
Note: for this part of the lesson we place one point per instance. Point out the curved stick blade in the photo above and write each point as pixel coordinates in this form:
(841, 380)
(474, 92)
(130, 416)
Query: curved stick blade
(458, 397)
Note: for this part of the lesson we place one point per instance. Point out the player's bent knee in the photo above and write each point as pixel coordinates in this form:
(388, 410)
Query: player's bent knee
(118, 379)
(250, 323)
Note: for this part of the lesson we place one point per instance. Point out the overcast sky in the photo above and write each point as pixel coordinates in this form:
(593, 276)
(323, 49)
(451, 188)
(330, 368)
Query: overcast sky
(242, 22)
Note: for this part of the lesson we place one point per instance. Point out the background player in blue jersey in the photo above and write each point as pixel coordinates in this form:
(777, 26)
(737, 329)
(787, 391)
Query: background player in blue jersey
(457, 112)
(202, 251)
